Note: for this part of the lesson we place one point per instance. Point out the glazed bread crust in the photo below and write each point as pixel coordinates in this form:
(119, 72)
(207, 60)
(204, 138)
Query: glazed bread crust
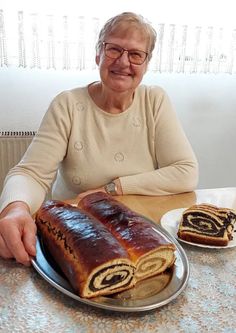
(87, 253)
(150, 252)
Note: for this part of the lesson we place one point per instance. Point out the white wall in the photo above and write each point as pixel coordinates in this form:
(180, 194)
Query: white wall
(25, 94)
(206, 105)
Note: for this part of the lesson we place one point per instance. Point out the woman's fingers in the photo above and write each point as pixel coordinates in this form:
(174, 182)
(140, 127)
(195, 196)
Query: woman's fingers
(29, 239)
(18, 238)
(17, 233)
(4, 252)
(16, 247)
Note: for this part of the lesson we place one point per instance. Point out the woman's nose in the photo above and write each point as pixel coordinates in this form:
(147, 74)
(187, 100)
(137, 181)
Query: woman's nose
(124, 58)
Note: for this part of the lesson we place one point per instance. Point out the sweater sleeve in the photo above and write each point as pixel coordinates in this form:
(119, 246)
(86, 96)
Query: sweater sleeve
(177, 166)
(31, 178)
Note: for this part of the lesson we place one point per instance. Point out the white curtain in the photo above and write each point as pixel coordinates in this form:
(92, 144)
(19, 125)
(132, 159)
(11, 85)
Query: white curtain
(57, 41)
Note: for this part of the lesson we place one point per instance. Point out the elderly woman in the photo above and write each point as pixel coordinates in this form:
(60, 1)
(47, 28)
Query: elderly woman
(113, 135)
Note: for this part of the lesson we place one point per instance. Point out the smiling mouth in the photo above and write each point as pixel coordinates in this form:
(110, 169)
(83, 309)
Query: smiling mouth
(120, 73)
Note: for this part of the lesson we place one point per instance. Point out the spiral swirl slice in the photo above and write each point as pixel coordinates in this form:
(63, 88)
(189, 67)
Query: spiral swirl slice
(207, 224)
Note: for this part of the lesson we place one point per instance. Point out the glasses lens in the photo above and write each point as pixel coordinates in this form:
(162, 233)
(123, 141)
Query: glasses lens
(114, 51)
(137, 57)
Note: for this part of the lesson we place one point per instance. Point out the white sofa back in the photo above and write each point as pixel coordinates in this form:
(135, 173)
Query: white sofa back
(206, 106)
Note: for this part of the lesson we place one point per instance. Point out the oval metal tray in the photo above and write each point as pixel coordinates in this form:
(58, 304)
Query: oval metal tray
(146, 295)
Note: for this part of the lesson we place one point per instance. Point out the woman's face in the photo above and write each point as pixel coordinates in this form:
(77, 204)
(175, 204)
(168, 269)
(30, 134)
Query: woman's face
(119, 75)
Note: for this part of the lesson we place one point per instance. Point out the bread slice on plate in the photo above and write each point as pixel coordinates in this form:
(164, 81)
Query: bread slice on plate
(207, 224)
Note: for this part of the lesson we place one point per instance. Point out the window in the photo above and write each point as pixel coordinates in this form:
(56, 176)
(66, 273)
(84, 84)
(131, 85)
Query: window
(193, 36)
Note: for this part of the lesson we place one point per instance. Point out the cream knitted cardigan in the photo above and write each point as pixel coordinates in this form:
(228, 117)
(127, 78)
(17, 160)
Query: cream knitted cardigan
(86, 147)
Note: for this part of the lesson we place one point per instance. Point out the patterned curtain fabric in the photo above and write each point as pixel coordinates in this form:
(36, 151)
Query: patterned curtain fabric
(68, 42)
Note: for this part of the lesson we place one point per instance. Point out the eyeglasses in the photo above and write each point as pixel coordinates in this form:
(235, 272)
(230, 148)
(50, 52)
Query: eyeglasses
(114, 51)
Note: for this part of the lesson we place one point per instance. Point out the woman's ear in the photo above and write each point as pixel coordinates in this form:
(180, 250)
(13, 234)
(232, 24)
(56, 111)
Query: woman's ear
(97, 59)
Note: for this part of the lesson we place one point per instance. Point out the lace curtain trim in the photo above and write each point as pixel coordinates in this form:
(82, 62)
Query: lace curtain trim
(68, 43)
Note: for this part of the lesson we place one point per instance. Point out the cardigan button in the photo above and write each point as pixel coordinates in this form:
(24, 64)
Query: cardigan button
(78, 145)
(119, 157)
(76, 180)
(80, 106)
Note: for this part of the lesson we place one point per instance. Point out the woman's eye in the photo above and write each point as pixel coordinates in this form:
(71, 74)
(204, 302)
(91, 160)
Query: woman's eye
(136, 54)
(115, 49)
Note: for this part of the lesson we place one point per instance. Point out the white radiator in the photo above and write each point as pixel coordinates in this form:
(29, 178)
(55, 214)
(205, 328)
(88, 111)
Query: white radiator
(12, 147)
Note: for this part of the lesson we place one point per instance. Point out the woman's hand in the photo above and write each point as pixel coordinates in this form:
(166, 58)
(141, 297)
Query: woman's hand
(17, 233)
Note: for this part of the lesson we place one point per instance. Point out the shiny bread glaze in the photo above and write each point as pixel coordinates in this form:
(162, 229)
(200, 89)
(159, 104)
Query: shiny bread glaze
(134, 232)
(80, 245)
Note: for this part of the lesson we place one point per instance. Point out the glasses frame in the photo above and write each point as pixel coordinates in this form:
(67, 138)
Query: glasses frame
(122, 51)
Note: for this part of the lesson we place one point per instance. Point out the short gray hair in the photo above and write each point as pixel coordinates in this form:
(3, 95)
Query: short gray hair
(114, 23)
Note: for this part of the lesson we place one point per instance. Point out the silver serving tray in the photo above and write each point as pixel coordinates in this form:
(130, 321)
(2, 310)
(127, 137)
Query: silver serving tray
(146, 295)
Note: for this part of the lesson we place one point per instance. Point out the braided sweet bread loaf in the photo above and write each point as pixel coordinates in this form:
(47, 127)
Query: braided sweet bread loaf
(90, 257)
(102, 246)
(148, 249)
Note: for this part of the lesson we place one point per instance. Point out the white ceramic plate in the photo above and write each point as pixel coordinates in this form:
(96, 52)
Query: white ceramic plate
(170, 221)
(149, 294)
